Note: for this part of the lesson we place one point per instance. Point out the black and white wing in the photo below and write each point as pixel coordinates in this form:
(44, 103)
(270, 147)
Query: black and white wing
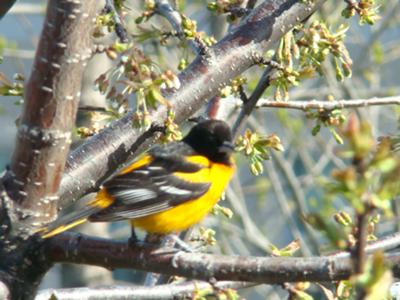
(151, 188)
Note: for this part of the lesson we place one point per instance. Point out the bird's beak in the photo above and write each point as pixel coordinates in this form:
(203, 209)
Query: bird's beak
(226, 147)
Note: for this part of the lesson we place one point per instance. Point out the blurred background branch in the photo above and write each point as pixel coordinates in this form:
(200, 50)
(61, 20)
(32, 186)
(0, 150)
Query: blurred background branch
(5, 6)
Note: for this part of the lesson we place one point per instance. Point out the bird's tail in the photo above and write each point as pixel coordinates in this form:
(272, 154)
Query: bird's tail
(67, 222)
(76, 218)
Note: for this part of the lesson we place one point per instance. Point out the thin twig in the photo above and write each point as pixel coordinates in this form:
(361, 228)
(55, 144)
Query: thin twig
(174, 18)
(168, 291)
(329, 105)
(308, 246)
(248, 107)
(119, 27)
(252, 101)
(358, 253)
(287, 211)
(253, 232)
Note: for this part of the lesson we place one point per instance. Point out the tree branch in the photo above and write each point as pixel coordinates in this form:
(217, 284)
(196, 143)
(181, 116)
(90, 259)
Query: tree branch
(251, 3)
(386, 243)
(174, 18)
(51, 100)
(199, 81)
(120, 30)
(5, 5)
(249, 105)
(358, 253)
(76, 248)
(167, 291)
(29, 189)
(328, 105)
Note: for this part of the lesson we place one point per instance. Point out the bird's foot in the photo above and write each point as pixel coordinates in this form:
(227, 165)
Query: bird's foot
(181, 245)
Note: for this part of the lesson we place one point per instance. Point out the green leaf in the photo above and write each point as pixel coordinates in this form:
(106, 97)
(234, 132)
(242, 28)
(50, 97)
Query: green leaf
(316, 129)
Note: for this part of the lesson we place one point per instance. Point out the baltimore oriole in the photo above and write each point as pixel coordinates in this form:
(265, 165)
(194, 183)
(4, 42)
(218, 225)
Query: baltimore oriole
(169, 189)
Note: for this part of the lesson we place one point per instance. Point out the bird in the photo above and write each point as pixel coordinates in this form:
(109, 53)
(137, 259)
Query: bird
(168, 189)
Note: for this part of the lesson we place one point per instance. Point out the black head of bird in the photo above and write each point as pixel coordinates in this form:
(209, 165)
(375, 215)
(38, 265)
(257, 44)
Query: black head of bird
(213, 139)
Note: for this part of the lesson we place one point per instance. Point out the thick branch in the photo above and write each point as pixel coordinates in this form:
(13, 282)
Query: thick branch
(200, 81)
(29, 188)
(44, 134)
(51, 100)
(80, 249)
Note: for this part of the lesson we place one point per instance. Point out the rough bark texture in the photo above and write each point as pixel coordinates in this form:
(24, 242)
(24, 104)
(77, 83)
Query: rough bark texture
(51, 100)
(82, 249)
(29, 189)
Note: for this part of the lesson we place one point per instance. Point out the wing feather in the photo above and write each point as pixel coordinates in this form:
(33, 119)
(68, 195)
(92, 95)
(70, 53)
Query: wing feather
(152, 188)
